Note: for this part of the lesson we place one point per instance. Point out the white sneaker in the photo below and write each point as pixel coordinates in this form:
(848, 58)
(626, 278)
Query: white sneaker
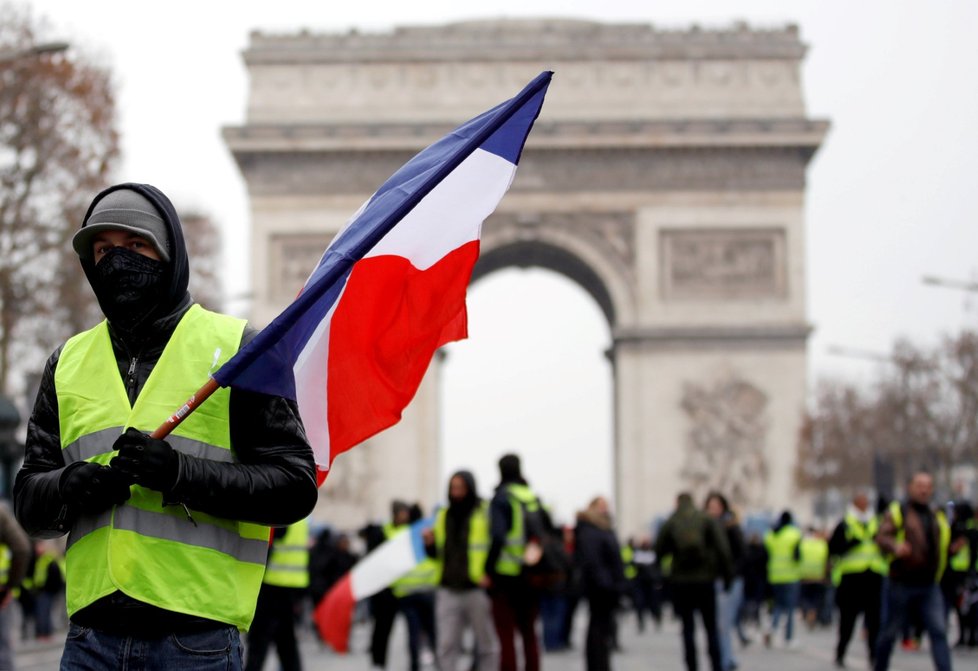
(792, 645)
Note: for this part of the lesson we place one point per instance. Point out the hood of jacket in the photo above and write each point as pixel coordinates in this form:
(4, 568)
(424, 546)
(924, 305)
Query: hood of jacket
(176, 298)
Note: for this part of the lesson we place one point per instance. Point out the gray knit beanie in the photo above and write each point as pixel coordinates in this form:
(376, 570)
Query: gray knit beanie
(127, 210)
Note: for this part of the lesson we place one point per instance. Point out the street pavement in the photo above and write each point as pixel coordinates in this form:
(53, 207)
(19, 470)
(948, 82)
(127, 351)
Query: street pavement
(651, 651)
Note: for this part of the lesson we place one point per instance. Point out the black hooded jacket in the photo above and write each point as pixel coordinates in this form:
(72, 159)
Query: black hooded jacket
(272, 480)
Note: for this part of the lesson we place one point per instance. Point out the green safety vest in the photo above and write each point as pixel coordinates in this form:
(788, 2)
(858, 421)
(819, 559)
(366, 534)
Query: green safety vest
(5, 557)
(40, 578)
(422, 578)
(961, 560)
(288, 560)
(478, 542)
(209, 567)
(944, 531)
(628, 560)
(814, 559)
(866, 556)
(510, 560)
(782, 567)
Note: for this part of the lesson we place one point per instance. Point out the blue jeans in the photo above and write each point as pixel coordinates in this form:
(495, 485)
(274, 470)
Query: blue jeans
(902, 600)
(785, 601)
(728, 612)
(92, 650)
(553, 609)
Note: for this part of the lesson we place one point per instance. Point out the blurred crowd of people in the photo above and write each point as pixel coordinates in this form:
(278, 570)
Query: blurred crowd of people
(503, 569)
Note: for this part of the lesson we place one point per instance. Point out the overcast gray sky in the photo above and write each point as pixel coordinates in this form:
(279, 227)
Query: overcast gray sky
(892, 193)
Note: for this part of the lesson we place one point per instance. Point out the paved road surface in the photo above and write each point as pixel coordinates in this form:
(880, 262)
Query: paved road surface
(651, 651)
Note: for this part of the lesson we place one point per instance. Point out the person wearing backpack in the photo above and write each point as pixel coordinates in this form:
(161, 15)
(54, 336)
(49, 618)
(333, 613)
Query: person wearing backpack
(700, 555)
(517, 522)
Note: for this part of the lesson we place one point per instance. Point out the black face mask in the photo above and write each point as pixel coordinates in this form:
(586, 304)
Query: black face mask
(129, 287)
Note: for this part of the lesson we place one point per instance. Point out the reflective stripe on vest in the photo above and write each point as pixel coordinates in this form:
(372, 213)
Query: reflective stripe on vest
(943, 529)
(422, 578)
(288, 560)
(814, 559)
(209, 567)
(521, 498)
(478, 542)
(782, 567)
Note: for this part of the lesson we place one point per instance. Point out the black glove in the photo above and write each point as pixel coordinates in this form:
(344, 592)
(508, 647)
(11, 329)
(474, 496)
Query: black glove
(149, 462)
(93, 488)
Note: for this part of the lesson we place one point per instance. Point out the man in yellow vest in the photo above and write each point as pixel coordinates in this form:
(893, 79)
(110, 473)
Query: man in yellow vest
(167, 538)
(459, 541)
(515, 512)
(280, 599)
(415, 596)
(916, 538)
(383, 604)
(858, 575)
(783, 547)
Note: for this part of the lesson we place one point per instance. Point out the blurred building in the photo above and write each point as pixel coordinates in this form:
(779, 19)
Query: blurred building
(666, 176)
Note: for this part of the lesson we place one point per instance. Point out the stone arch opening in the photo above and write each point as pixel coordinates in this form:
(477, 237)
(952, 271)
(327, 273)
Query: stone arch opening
(536, 253)
(533, 378)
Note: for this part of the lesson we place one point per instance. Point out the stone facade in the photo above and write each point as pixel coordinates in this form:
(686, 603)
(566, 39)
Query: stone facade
(666, 176)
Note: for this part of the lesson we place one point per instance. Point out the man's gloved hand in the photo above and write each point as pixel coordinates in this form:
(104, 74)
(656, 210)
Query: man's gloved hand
(93, 488)
(149, 462)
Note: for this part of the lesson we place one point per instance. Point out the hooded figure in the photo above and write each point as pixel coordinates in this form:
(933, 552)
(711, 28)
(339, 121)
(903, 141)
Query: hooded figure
(166, 535)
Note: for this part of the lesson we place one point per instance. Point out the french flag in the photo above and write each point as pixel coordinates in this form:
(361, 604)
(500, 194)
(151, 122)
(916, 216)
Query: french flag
(389, 561)
(352, 348)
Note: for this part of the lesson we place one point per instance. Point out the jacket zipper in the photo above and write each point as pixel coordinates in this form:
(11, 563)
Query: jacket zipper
(131, 380)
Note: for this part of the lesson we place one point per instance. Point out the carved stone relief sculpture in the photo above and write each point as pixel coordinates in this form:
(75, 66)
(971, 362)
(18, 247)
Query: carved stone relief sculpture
(726, 442)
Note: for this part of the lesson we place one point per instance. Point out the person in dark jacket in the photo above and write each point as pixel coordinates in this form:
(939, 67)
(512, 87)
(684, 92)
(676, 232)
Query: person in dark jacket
(602, 575)
(167, 538)
(458, 542)
(700, 556)
(917, 537)
(729, 600)
(515, 604)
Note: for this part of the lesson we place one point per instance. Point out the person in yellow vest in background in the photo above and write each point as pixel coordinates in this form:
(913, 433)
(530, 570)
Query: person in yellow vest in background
(515, 515)
(280, 600)
(15, 552)
(916, 538)
(783, 546)
(857, 573)
(459, 542)
(959, 584)
(167, 538)
(47, 582)
(814, 569)
(416, 601)
(383, 604)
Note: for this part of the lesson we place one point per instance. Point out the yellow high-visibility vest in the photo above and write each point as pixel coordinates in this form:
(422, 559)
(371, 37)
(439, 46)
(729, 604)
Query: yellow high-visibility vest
(209, 567)
(288, 560)
(478, 542)
(510, 560)
(782, 567)
(944, 535)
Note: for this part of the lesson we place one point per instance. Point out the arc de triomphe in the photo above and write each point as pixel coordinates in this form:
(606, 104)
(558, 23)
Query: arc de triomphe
(666, 175)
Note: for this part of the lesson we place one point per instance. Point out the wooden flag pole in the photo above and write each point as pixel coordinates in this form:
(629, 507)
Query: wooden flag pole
(192, 404)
